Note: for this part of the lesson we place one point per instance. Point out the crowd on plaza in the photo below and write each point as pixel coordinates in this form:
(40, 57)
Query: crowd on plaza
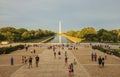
(101, 60)
(57, 54)
(28, 59)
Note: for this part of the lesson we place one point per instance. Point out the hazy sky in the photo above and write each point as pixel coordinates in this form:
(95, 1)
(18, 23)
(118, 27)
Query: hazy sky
(74, 14)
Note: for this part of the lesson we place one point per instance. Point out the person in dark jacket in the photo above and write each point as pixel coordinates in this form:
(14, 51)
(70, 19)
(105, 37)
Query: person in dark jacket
(100, 61)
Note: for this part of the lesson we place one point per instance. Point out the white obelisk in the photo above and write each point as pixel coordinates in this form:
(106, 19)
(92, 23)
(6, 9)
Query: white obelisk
(60, 32)
(59, 27)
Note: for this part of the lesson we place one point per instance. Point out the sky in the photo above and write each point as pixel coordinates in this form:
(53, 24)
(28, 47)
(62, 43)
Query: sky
(74, 14)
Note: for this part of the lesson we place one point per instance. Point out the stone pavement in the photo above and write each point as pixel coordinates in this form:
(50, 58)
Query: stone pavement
(49, 66)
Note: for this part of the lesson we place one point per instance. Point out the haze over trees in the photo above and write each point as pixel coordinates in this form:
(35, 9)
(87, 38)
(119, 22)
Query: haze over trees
(12, 34)
(91, 35)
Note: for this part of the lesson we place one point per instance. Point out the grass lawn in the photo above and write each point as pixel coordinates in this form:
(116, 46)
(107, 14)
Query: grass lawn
(74, 39)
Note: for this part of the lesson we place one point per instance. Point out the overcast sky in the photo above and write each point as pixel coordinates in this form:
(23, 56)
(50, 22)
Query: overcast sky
(74, 14)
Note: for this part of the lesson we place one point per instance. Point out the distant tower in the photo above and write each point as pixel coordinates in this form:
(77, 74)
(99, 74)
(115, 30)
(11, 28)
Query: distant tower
(60, 41)
(60, 27)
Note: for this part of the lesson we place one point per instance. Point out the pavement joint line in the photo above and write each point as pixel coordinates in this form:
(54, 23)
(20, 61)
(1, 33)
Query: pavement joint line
(21, 55)
(88, 75)
(105, 64)
(54, 64)
(12, 75)
(10, 65)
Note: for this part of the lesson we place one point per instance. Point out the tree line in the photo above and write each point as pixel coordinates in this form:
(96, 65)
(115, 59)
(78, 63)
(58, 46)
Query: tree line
(91, 35)
(12, 34)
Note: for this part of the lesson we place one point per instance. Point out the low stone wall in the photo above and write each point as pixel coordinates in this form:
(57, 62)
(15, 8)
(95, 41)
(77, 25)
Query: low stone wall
(47, 39)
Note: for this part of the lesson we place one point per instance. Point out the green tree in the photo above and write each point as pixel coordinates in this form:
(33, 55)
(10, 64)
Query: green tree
(100, 34)
(7, 29)
(107, 37)
(88, 30)
(91, 37)
(2, 37)
(118, 38)
(21, 30)
(26, 35)
(10, 36)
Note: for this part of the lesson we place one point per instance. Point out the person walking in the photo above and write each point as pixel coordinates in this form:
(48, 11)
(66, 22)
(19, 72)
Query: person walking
(59, 54)
(26, 48)
(100, 61)
(37, 60)
(103, 61)
(25, 60)
(72, 68)
(54, 54)
(12, 61)
(65, 53)
(34, 51)
(30, 62)
(69, 70)
(92, 56)
(66, 59)
(95, 57)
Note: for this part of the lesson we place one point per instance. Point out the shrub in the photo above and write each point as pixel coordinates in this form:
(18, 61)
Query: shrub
(115, 52)
(8, 50)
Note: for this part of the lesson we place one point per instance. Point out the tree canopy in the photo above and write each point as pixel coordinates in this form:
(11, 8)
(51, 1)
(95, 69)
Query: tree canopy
(102, 35)
(12, 34)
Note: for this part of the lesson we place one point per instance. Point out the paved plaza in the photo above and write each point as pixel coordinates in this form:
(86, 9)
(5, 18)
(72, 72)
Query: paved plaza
(49, 66)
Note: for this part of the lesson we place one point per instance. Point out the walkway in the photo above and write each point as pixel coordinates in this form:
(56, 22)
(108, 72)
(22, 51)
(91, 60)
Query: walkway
(52, 67)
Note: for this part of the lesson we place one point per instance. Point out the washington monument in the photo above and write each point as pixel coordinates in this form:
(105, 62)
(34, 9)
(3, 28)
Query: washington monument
(60, 27)
(60, 32)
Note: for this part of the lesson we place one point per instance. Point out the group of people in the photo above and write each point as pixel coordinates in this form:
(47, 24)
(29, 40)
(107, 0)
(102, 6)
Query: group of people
(26, 60)
(36, 61)
(101, 60)
(29, 60)
(58, 53)
(94, 56)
